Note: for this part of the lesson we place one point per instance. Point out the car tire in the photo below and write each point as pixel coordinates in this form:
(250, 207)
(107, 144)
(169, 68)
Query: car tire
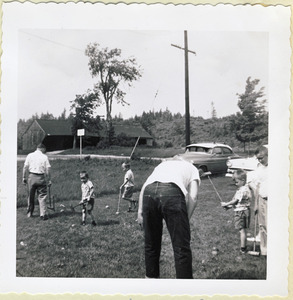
(201, 170)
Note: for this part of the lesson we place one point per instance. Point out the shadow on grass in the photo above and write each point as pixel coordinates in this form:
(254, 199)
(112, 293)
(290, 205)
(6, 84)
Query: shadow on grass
(55, 214)
(108, 222)
(238, 274)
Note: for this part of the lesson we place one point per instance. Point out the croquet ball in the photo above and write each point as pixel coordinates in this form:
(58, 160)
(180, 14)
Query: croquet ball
(62, 210)
(215, 251)
(72, 225)
(107, 206)
(238, 258)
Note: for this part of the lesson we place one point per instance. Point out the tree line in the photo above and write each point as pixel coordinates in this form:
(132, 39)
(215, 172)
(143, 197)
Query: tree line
(247, 128)
(111, 71)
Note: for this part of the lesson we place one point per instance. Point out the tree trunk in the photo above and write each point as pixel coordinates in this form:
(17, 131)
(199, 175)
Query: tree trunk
(74, 142)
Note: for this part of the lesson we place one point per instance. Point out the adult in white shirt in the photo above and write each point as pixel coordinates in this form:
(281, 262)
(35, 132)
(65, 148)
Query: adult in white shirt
(36, 173)
(258, 181)
(169, 193)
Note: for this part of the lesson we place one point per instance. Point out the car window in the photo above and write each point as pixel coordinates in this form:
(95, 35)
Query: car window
(226, 150)
(196, 149)
(200, 149)
(217, 150)
(190, 149)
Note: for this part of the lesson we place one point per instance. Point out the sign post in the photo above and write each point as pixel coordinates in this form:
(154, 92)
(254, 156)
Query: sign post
(80, 133)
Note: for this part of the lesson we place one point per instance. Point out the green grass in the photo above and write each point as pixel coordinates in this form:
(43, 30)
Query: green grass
(61, 247)
(106, 175)
(140, 151)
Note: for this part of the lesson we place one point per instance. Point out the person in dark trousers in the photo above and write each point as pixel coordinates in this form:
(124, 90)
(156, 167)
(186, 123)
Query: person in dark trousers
(36, 173)
(169, 193)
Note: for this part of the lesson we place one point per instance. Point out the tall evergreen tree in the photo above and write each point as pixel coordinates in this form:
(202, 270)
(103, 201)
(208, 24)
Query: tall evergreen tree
(214, 112)
(251, 123)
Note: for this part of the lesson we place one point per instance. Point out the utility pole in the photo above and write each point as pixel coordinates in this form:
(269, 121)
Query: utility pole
(187, 114)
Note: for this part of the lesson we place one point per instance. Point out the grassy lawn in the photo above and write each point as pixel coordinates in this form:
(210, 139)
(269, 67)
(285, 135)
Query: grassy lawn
(140, 151)
(61, 247)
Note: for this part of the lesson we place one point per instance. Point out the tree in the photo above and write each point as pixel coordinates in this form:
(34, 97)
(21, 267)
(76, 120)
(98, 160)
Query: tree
(82, 116)
(214, 112)
(111, 71)
(251, 123)
(63, 115)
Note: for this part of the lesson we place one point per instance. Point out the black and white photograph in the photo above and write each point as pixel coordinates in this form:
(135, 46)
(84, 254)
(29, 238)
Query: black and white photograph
(144, 142)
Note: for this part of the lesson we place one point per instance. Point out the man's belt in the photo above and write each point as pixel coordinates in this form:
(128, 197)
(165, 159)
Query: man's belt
(36, 173)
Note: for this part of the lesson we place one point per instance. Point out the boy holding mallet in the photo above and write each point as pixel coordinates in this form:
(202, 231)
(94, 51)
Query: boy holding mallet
(241, 204)
(88, 197)
(127, 186)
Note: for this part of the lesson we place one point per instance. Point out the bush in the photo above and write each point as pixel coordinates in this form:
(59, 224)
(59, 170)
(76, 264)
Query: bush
(168, 144)
(103, 144)
(123, 140)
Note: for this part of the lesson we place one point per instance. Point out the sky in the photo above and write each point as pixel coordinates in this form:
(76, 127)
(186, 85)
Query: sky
(53, 69)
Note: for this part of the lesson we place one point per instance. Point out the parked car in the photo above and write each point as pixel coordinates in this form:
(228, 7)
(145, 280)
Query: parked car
(208, 157)
(245, 163)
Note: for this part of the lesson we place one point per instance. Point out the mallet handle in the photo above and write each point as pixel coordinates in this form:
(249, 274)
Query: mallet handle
(134, 147)
(215, 189)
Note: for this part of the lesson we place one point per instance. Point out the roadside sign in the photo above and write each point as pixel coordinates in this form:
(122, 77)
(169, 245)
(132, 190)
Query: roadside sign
(80, 132)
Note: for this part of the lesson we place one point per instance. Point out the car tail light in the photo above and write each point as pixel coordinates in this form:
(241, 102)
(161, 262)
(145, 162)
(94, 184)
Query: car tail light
(229, 164)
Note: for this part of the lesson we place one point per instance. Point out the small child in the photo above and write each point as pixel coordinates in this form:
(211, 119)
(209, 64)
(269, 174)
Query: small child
(240, 203)
(88, 197)
(128, 186)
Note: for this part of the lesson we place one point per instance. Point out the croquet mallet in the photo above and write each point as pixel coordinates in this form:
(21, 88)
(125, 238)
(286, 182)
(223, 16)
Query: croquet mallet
(52, 207)
(73, 207)
(130, 157)
(208, 175)
(255, 253)
(119, 200)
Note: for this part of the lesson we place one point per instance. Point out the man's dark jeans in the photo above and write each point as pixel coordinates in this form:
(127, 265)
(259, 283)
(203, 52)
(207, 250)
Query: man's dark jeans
(166, 201)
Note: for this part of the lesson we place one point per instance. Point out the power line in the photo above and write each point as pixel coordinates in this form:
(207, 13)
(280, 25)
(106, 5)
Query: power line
(51, 41)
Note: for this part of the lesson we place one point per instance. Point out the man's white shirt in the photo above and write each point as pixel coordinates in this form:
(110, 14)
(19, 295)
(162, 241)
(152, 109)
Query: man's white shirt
(37, 162)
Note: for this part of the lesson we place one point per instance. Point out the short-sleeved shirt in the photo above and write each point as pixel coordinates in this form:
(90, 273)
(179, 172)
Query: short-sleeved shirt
(86, 189)
(37, 162)
(259, 177)
(181, 173)
(243, 197)
(130, 177)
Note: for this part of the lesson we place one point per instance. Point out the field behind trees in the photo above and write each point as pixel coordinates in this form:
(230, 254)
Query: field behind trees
(61, 247)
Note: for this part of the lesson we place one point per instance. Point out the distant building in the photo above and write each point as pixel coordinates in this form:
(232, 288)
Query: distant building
(133, 132)
(57, 135)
